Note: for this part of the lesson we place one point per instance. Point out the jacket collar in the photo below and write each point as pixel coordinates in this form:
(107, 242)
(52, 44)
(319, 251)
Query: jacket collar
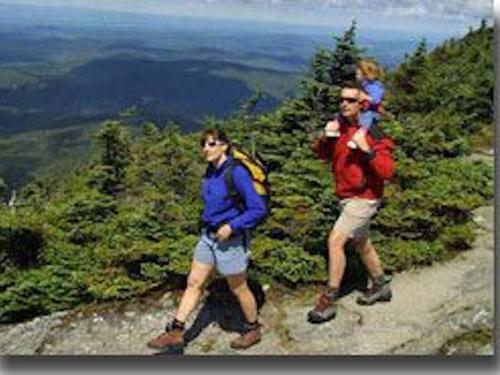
(212, 169)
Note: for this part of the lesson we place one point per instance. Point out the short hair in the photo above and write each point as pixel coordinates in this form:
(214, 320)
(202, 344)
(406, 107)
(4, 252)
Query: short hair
(351, 84)
(370, 69)
(216, 134)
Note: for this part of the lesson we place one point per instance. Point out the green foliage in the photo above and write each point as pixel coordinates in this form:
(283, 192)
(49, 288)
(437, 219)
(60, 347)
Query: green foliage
(21, 240)
(39, 291)
(398, 254)
(432, 197)
(286, 262)
(3, 188)
(329, 68)
(128, 222)
(332, 67)
(114, 140)
(458, 237)
(445, 96)
(405, 79)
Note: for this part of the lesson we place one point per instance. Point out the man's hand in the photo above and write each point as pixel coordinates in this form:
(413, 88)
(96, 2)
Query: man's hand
(360, 139)
(224, 232)
(332, 128)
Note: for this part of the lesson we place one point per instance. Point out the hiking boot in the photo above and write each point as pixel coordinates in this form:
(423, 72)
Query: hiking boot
(172, 338)
(248, 338)
(379, 292)
(324, 310)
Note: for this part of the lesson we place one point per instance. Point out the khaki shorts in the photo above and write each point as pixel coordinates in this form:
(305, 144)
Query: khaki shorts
(354, 220)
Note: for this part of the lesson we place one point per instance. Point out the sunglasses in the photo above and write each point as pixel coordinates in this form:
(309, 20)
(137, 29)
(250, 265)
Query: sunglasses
(209, 144)
(349, 100)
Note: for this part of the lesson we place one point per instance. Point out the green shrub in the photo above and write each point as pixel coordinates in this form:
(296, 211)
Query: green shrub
(397, 255)
(40, 291)
(286, 262)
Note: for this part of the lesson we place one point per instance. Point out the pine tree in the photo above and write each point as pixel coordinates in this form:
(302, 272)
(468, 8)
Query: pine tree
(114, 140)
(329, 69)
(404, 81)
(345, 57)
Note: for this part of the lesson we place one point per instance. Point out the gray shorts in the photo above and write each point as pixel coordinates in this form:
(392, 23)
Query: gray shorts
(229, 257)
(354, 220)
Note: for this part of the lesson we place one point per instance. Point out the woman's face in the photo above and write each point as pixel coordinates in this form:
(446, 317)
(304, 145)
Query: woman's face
(213, 150)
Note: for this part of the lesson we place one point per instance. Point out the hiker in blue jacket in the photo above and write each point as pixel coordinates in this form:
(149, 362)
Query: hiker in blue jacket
(223, 244)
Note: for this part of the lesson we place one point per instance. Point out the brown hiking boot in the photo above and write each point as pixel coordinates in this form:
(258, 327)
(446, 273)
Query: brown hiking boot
(248, 338)
(174, 338)
(325, 308)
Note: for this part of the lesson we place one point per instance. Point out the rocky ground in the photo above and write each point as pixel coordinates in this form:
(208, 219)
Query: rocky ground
(443, 309)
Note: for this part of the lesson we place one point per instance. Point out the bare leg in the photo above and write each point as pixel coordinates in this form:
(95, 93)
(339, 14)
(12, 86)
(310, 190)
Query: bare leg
(239, 286)
(336, 242)
(195, 284)
(370, 258)
(378, 289)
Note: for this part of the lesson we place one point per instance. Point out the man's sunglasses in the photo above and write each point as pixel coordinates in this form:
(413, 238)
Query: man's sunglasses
(349, 100)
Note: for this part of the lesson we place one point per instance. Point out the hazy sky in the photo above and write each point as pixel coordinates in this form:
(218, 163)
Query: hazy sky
(434, 14)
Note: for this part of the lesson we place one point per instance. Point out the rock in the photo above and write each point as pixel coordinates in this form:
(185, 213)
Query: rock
(167, 301)
(28, 338)
(484, 218)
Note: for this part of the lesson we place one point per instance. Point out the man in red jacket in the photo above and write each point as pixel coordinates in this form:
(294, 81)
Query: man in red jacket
(359, 178)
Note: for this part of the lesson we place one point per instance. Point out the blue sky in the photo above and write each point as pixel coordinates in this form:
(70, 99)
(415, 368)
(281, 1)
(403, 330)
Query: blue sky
(441, 15)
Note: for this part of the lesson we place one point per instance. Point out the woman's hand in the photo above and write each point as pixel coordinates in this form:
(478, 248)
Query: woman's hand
(224, 232)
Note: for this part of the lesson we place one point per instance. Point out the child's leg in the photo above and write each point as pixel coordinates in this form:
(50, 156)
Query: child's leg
(366, 119)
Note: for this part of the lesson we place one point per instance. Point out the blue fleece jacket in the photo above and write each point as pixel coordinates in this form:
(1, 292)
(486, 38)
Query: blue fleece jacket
(375, 89)
(219, 208)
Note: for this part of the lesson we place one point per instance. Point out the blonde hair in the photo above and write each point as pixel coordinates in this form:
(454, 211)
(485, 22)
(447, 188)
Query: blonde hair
(370, 69)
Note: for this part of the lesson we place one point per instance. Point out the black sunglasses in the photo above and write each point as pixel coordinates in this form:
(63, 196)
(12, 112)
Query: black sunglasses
(209, 144)
(348, 100)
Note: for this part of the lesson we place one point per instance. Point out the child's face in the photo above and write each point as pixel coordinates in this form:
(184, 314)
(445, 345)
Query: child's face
(359, 74)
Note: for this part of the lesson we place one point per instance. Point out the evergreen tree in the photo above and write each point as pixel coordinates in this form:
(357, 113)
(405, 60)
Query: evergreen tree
(345, 57)
(406, 78)
(114, 140)
(329, 69)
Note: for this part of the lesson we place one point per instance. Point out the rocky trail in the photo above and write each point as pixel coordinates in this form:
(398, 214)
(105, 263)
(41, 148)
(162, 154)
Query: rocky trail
(447, 308)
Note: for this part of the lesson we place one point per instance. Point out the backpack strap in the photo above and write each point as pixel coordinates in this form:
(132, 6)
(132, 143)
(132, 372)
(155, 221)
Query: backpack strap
(231, 187)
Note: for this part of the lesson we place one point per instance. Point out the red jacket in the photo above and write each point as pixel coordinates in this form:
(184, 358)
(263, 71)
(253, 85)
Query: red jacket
(357, 175)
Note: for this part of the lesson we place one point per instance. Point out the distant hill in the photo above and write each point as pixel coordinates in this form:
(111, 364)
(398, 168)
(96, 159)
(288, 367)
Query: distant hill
(188, 89)
(61, 69)
(28, 155)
